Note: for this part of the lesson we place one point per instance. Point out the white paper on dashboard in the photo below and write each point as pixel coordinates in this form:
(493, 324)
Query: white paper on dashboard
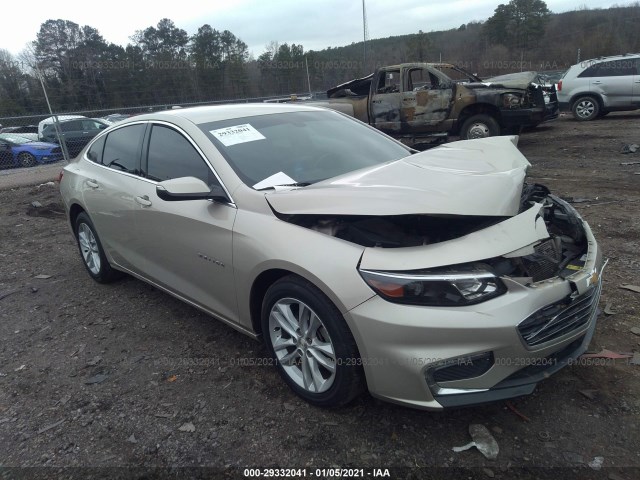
(237, 134)
(279, 178)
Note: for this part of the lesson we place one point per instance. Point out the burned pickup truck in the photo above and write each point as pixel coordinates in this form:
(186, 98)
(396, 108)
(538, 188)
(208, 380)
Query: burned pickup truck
(421, 103)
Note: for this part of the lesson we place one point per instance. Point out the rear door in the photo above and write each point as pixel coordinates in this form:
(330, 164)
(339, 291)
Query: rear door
(108, 182)
(184, 246)
(614, 81)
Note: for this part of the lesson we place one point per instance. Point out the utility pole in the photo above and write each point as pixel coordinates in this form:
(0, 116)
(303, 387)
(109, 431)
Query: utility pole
(365, 36)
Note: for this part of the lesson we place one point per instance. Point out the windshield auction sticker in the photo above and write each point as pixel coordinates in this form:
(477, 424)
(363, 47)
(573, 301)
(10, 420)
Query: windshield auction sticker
(237, 134)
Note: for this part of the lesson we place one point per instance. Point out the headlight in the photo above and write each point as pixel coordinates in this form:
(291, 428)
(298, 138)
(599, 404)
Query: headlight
(511, 100)
(464, 285)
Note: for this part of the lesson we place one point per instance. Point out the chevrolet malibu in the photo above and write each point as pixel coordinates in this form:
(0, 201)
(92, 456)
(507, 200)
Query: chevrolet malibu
(434, 279)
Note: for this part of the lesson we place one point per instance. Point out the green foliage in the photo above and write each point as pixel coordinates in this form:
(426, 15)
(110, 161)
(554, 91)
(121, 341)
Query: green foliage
(519, 24)
(162, 64)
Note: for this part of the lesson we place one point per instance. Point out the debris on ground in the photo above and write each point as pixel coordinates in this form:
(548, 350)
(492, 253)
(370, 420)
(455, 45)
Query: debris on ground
(188, 427)
(635, 330)
(42, 277)
(630, 148)
(99, 378)
(132, 439)
(515, 410)
(94, 361)
(172, 378)
(607, 309)
(47, 184)
(482, 440)
(589, 393)
(633, 288)
(21, 367)
(635, 360)
(36, 204)
(596, 463)
(10, 292)
(49, 427)
(630, 163)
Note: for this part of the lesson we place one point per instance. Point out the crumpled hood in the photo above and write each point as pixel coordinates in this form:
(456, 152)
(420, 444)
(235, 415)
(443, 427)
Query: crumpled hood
(470, 177)
(519, 80)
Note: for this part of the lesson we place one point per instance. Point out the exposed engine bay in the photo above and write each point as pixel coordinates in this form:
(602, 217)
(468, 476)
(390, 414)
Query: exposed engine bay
(560, 255)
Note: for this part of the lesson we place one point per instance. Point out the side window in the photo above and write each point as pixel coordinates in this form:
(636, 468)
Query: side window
(389, 82)
(422, 79)
(617, 68)
(591, 71)
(90, 125)
(95, 151)
(69, 126)
(122, 148)
(172, 156)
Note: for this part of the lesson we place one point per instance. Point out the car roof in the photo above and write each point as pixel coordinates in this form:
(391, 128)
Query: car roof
(611, 57)
(214, 113)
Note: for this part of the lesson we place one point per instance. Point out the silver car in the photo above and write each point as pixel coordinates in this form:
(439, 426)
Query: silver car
(432, 279)
(593, 88)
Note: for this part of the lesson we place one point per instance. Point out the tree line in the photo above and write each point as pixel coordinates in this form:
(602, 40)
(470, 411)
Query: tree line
(163, 64)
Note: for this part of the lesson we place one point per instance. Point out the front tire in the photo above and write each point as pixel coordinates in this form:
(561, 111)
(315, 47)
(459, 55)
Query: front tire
(315, 352)
(91, 251)
(479, 126)
(585, 109)
(25, 159)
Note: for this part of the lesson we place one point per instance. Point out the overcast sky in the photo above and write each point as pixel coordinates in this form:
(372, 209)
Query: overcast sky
(315, 24)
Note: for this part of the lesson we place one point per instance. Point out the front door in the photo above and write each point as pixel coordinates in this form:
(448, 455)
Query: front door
(426, 101)
(385, 101)
(184, 246)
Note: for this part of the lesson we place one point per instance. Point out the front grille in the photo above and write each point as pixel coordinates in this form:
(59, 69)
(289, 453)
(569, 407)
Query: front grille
(463, 368)
(559, 318)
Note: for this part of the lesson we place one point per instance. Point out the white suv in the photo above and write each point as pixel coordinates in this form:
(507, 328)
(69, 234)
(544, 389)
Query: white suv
(593, 88)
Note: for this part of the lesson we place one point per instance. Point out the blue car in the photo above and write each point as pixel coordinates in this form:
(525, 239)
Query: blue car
(27, 153)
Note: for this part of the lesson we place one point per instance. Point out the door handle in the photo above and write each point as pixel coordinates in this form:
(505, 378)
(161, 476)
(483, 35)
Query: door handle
(144, 201)
(596, 82)
(92, 184)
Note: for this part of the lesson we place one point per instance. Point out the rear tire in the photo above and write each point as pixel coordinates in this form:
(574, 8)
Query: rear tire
(91, 251)
(585, 109)
(479, 126)
(313, 348)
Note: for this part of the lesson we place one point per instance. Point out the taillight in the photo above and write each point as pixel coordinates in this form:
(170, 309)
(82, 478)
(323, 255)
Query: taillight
(560, 85)
(60, 175)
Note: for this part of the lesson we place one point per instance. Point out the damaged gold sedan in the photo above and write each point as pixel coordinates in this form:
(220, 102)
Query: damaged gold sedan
(432, 279)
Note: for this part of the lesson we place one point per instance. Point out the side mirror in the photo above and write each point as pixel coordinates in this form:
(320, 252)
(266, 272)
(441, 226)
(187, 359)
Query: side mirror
(189, 188)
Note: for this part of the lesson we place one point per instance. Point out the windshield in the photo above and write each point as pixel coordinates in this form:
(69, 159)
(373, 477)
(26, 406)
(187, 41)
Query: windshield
(299, 147)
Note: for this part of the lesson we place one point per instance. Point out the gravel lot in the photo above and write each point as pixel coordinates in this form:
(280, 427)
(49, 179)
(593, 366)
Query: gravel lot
(123, 375)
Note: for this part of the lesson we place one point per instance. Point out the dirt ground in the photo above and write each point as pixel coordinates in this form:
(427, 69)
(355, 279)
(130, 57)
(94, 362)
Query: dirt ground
(106, 377)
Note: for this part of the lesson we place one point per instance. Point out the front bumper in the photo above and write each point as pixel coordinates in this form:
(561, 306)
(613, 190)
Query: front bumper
(402, 345)
(522, 117)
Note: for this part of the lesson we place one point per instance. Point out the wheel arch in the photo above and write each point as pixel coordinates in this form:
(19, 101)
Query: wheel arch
(477, 109)
(74, 211)
(595, 95)
(272, 274)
